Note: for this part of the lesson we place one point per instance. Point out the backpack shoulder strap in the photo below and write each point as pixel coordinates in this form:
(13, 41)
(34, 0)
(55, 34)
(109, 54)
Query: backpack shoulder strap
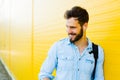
(95, 53)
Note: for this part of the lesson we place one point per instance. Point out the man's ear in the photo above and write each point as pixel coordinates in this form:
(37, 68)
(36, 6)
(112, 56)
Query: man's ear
(85, 25)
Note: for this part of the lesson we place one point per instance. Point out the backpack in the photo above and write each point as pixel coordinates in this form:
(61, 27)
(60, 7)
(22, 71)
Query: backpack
(95, 53)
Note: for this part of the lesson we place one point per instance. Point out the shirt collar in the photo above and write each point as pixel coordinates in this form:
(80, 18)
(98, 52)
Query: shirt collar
(89, 47)
(68, 41)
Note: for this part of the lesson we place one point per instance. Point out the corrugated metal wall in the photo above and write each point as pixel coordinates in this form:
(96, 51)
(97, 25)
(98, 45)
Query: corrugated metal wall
(29, 27)
(16, 37)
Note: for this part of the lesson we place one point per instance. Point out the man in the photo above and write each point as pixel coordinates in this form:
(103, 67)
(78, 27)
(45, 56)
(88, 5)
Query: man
(71, 56)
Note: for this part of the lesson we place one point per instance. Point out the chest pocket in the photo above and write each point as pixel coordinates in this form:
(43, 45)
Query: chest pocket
(65, 63)
(88, 65)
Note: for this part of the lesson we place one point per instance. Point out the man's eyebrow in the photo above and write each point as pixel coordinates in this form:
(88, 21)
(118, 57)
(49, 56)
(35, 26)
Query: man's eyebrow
(70, 26)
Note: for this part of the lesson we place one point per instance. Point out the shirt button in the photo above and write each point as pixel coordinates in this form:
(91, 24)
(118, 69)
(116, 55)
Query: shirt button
(79, 59)
(78, 69)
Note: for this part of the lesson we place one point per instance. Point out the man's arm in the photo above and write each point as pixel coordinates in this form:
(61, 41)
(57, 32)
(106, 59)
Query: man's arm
(49, 64)
(99, 74)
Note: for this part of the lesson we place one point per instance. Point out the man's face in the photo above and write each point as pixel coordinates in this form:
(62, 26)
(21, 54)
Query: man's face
(74, 30)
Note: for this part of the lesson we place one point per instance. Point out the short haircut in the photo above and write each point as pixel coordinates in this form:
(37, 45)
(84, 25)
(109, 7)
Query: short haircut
(78, 12)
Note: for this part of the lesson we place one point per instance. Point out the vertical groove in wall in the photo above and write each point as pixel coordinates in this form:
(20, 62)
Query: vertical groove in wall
(10, 34)
(32, 39)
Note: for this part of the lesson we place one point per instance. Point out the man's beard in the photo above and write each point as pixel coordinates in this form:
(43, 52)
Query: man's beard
(78, 37)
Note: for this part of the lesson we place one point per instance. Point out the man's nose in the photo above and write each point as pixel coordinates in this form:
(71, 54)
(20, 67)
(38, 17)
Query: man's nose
(69, 30)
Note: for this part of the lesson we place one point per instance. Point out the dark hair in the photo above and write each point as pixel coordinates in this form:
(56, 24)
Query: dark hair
(78, 12)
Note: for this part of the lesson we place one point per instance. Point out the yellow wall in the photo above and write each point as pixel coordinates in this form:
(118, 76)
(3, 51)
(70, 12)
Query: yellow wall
(16, 37)
(29, 27)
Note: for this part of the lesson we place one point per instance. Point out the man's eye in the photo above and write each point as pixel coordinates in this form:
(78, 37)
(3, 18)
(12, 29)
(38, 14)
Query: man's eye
(72, 27)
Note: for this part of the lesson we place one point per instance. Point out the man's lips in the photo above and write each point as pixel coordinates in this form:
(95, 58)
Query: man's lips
(71, 35)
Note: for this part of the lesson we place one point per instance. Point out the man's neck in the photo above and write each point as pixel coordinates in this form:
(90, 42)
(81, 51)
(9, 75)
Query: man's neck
(81, 44)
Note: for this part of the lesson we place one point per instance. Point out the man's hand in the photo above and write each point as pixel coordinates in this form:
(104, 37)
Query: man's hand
(46, 79)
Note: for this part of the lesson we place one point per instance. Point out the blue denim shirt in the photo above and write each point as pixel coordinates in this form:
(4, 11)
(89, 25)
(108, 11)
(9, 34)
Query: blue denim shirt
(70, 64)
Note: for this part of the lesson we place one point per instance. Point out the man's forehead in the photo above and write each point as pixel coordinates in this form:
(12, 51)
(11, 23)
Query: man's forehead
(72, 21)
